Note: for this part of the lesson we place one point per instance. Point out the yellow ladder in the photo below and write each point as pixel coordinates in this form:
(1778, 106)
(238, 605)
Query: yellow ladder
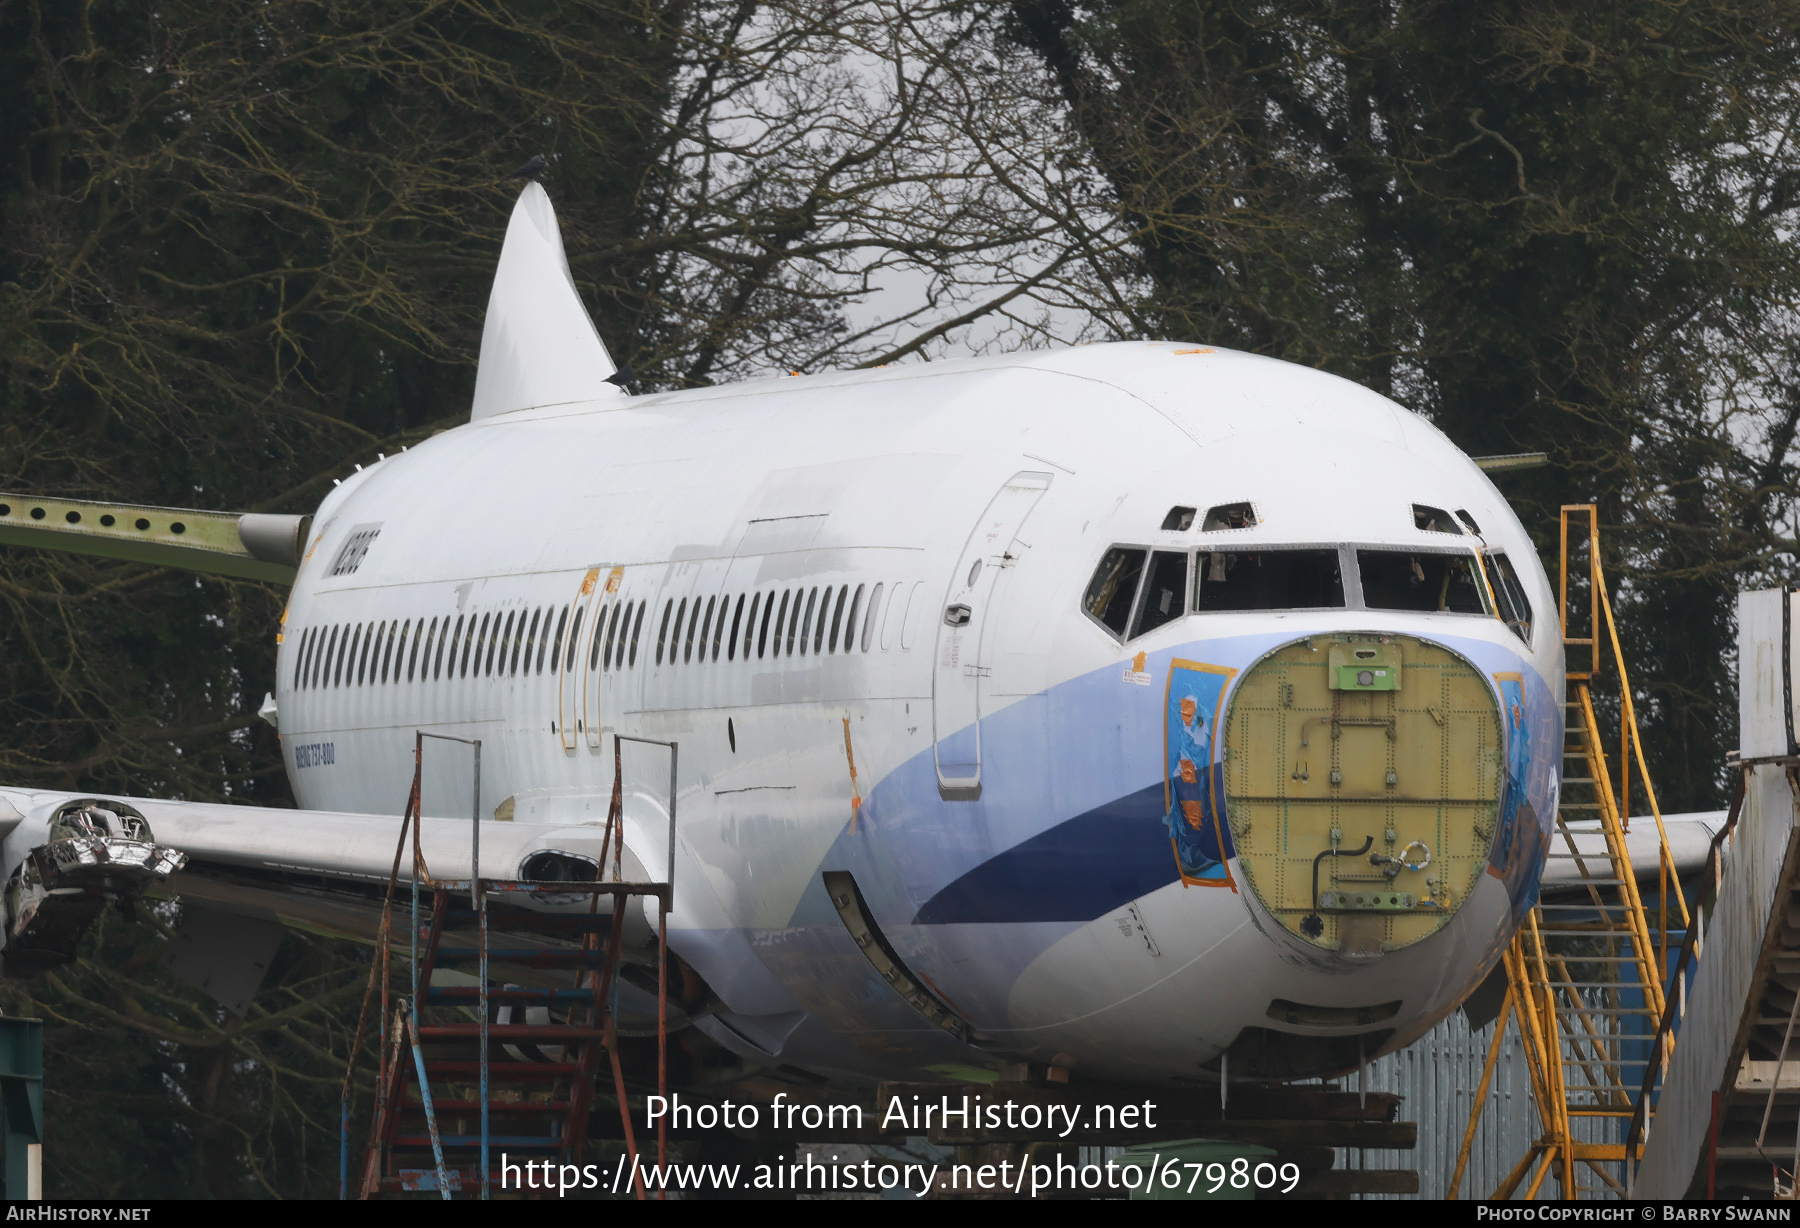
(1581, 969)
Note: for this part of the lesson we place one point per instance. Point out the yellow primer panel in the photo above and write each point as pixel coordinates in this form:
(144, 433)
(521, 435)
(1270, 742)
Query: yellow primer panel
(1309, 767)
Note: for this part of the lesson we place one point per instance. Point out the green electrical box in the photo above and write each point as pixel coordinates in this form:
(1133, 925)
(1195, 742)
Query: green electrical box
(22, 1106)
(1360, 666)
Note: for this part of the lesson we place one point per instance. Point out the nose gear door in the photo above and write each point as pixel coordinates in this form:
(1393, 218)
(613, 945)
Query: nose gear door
(965, 640)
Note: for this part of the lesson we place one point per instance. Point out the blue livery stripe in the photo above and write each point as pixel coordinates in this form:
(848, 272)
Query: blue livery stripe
(1080, 869)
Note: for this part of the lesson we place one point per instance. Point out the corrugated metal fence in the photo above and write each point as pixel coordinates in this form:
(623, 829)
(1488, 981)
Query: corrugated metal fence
(1436, 1077)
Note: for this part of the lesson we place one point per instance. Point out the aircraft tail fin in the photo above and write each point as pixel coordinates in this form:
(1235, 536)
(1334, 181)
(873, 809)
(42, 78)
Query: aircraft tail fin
(538, 345)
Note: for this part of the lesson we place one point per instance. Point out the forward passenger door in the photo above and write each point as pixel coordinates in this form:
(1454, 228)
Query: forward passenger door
(965, 631)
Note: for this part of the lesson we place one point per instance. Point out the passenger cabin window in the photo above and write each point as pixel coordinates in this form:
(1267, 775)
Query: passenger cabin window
(1165, 592)
(706, 626)
(555, 645)
(473, 639)
(1509, 595)
(574, 638)
(868, 631)
(637, 625)
(837, 618)
(1115, 584)
(600, 656)
(1428, 583)
(525, 636)
(509, 641)
(452, 640)
(780, 621)
(1267, 580)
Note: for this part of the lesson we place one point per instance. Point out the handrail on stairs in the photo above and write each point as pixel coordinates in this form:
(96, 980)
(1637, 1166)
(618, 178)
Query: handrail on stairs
(1672, 1000)
(1631, 747)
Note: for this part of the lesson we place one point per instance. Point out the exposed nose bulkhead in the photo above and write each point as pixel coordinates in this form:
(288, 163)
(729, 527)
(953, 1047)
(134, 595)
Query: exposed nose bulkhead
(1363, 775)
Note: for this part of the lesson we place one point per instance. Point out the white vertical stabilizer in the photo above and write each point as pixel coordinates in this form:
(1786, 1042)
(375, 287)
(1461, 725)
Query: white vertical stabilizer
(538, 346)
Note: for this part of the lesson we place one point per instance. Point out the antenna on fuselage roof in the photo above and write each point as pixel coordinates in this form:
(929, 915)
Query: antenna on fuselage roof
(538, 345)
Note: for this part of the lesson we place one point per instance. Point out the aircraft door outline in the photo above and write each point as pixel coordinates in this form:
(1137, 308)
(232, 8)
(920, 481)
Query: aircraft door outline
(961, 659)
(566, 706)
(589, 662)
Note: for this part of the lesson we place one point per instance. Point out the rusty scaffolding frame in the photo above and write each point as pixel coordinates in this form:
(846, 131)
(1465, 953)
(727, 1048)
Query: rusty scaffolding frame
(587, 944)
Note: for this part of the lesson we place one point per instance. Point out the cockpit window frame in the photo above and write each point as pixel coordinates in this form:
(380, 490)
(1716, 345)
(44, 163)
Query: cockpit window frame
(1504, 576)
(1137, 592)
(1349, 569)
(1465, 551)
(1352, 592)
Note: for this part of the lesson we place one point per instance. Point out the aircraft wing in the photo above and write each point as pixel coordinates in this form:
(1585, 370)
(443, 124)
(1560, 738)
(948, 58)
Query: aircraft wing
(1690, 840)
(249, 546)
(64, 855)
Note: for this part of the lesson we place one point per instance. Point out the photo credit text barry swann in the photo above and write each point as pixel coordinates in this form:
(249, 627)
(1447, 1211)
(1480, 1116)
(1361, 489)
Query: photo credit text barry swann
(1627, 1212)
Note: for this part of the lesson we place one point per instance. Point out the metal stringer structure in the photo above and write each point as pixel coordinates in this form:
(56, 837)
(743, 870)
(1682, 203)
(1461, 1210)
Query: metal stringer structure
(439, 1123)
(1586, 979)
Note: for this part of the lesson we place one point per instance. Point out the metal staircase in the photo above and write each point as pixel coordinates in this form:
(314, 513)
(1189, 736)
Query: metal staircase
(1586, 973)
(470, 1071)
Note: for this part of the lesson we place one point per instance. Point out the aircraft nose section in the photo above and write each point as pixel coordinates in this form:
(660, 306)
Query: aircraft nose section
(1363, 776)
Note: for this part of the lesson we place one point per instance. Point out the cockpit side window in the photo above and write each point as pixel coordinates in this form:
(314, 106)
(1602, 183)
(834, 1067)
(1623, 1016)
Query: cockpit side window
(1515, 607)
(1115, 584)
(1229, 516)
(1268, 580)
(1165, 592)
(1428, 583)
(1434, 520)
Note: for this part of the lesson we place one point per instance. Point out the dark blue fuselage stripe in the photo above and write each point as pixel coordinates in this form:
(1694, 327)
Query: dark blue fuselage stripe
(1080, 869)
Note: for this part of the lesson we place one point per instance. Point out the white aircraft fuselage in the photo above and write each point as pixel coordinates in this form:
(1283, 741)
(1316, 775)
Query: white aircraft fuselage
(1095, 757)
